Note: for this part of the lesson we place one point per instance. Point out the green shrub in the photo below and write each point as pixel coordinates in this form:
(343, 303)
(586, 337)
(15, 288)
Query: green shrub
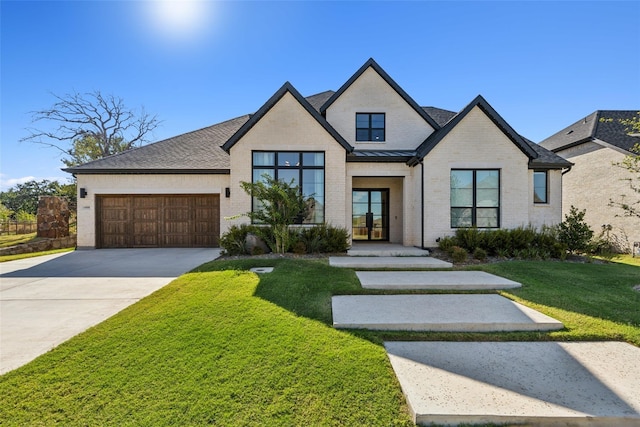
(574, 231)
(446, 243)
(233, 240)
(469, 238)
(24, 216)
(458, 254)
(480, 254)
(336, 239)
(299, 248)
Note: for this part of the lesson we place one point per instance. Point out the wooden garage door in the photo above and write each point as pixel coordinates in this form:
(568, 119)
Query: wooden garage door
(158, 221)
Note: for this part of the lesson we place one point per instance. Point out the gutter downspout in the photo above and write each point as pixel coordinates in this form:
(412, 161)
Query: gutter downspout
(422, 204)
(567, 171)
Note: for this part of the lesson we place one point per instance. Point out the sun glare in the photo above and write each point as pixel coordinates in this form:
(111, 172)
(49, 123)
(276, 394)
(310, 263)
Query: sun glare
(180, 20)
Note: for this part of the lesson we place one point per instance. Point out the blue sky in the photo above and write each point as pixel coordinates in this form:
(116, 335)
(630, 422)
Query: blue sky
(541, 64)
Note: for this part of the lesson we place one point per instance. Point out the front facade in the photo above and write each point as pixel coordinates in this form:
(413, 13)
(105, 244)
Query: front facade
(368, 156)
(596, 144)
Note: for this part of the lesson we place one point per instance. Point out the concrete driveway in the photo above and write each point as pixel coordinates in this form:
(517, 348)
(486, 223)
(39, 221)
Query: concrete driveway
(44, 301)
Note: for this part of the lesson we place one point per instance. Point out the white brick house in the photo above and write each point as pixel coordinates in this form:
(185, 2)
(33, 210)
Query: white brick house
(595, 144)
(374, 161)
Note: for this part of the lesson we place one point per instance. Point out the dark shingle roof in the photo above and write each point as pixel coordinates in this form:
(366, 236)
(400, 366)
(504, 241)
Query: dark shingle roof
(439, 115)
(193, 152)
(595, 126)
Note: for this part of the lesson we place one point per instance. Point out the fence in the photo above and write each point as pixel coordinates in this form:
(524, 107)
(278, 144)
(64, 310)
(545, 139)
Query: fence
(18, 227)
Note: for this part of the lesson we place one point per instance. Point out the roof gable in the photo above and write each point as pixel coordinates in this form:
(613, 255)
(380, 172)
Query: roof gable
(481, 103)
(601, 125)
(286, 88)
(374, 65)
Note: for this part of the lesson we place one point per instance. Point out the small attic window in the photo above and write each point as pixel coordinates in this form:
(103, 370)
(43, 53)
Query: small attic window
(370, 127)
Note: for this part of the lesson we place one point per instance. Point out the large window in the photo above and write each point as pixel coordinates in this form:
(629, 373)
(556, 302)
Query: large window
(540, 187)
(305, 169)
(475, 198)
(370, 127)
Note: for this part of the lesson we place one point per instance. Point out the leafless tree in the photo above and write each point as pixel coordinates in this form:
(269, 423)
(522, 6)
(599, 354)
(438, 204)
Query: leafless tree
(90, 126)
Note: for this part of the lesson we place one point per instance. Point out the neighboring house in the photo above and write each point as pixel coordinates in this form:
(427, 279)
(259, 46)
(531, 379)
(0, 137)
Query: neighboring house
(374, 161)
(594, 144)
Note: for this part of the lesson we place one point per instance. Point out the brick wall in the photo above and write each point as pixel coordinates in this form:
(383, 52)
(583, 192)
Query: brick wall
(592, 182)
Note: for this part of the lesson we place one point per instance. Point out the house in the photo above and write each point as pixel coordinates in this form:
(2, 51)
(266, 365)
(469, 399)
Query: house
(373, 160)
(595, 144)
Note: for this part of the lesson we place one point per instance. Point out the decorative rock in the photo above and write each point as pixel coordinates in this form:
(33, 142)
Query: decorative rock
(254, 244)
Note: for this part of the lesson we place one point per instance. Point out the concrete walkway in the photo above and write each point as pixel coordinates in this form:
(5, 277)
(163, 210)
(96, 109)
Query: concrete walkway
(434, 280)
(46, 300)
(537, 383)
(372, 262)
(443, 313)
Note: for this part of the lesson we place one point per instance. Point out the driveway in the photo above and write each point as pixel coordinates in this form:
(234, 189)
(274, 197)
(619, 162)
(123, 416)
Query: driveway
(44, 301)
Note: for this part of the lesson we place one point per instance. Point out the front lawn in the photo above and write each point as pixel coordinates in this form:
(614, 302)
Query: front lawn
(7, 240)
(226, 347)
(209, 350)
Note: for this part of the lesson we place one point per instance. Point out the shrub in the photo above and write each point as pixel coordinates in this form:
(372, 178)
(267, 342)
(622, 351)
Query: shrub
(458, 254)
(446, 243)
(574, 231)
(480, 254)
(469, 238)
(299, 248)
(233, 241)
(336, 239)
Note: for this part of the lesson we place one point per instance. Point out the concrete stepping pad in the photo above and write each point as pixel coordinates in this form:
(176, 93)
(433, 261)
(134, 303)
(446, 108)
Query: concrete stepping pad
(532, 383)
(445, 313)
(436, 280)
(378, 250)
(388, 262)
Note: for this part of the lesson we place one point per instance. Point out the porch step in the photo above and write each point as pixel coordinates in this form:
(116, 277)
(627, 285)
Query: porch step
(385, 250)
(443, 312)
(419, 262)
(434, 280)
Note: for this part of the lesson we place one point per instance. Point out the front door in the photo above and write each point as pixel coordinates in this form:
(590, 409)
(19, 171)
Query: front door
(370, 214)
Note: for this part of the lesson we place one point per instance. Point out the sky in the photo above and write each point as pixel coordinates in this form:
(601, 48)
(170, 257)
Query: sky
(542, 65)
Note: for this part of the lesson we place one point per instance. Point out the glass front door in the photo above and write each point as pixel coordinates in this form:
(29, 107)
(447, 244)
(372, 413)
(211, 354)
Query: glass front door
(370, 214)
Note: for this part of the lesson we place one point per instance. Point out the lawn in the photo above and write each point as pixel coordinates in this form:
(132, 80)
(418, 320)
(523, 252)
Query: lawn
(226, 347)
(7, 240)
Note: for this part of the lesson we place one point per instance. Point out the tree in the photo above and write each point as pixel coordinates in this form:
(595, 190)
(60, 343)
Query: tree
(574, 231)
(90, 126)
(280, 204)
(631, 162)
(24, 197)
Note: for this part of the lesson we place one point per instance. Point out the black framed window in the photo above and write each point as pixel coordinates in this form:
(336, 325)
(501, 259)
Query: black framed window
(304, 169)
(475, 198)
(540, 187)
(370, 127)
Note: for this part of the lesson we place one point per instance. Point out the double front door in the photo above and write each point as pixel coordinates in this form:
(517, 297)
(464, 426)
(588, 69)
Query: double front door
(370, 214)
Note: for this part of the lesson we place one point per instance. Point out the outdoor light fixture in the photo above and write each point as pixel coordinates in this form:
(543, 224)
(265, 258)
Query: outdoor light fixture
(227, 192)
(83, 193)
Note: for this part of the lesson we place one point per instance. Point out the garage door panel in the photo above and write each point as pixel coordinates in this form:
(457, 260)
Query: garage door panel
(159, 221)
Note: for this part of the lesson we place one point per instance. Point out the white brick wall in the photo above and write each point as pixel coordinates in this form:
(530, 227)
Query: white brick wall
(476, 143)
(592, 182)
(405, 128)
(141, 184)
(289, 127)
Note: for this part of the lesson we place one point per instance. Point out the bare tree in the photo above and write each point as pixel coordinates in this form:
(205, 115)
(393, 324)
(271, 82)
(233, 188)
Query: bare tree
(90, 126)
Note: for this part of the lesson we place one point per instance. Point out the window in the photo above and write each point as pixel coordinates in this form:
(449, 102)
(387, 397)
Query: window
(540, 187)
(370, 127)
(475, 198)
(305, 169)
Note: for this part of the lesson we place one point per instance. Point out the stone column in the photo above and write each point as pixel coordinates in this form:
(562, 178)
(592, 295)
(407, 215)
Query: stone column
(53, 217)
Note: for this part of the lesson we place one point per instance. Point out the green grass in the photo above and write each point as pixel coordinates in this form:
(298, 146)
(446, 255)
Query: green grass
(226, 347)
(211, 348)
(7, 240)
(626, 259)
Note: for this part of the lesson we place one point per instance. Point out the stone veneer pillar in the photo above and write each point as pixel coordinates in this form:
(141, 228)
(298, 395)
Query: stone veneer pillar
(53, 217)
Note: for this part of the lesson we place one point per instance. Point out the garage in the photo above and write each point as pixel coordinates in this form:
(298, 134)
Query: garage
(158, 221)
